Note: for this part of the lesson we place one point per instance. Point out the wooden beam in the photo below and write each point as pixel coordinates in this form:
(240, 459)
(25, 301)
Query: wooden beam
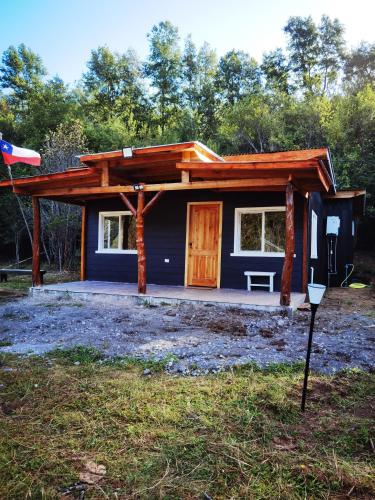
(305, 217)
(152, 202)
(286, 277)
(141, 253)
(301, 154)
(254, 165)
(345, 194)
(128, 203)
(324, 177)
(83, 244)
(36, 278)
(183, 146)
(172, 186)
(105, 175)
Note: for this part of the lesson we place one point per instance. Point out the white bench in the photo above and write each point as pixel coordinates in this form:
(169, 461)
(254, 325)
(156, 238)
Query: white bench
(268, 285)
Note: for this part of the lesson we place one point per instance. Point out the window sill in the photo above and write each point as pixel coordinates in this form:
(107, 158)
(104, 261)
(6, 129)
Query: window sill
(114, 251)
(258, 254)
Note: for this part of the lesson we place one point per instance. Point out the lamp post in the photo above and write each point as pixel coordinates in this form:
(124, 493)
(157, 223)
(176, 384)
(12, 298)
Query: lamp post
(316, 293)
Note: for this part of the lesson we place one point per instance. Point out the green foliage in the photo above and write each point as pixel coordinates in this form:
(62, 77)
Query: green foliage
(21, 72)
(163, 68)
(238, 76)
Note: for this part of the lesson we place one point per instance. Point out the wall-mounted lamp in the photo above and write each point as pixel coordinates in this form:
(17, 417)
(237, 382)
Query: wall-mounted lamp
(138, 187)
(127, 152)
(316, 293)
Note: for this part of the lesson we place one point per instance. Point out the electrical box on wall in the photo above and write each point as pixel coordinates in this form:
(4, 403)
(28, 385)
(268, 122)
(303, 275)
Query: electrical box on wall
(333, 224)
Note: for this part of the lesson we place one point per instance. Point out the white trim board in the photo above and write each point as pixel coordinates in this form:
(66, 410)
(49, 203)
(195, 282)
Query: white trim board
(237, 252)
(101, 249)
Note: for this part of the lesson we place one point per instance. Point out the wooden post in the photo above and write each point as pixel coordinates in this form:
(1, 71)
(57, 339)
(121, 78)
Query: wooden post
(83, 244)
(286, 277)
(36, 280)
(141, 243)
(304, 245)
(139, 215)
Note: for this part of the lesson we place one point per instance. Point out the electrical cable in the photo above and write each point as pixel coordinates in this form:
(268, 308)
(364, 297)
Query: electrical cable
(348, 276)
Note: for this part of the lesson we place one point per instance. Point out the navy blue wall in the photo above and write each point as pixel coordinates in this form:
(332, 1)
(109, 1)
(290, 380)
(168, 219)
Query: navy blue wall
(319, 264)
(165, 233)
(342, 208)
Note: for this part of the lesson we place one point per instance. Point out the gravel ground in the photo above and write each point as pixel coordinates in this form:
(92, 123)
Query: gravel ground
(201, 339)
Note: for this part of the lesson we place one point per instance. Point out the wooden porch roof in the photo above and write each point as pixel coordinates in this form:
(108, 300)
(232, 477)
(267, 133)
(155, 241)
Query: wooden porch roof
(188, 165)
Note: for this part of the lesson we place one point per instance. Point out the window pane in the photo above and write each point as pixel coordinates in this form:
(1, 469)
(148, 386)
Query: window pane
(111, 232)
(251, 232)
(129, 233)
(274, 232)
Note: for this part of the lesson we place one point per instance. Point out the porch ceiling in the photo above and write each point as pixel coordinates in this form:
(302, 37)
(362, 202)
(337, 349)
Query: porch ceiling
(189, 165)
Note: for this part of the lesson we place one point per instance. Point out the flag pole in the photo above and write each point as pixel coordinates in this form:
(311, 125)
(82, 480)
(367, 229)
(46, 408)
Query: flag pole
(18, 199)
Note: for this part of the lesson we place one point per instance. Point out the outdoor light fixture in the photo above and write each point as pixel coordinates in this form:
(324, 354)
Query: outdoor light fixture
(127, 152)
(316, 293)
(138, 187)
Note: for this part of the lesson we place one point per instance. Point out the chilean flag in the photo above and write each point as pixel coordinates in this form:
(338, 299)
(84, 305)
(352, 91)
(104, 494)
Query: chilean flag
(13, 154)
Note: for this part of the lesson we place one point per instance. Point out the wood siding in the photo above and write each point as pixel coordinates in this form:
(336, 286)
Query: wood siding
(165, 238)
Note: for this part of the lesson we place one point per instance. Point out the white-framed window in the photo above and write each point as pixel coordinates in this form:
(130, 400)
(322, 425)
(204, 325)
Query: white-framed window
(259, 232)
(117, 233)
(314, 236)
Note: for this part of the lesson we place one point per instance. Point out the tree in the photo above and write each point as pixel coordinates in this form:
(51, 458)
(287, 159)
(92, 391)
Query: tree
(303, 47)
(331, 50)
(238, 75)
(163, 68)
(275, 68)
(251, 125)
(113, 85)
(207, 102)
(190, 71)
(52, 105)
(61, 222)
(315, 52)
(199, 69)
(359, 67)
(21, 72)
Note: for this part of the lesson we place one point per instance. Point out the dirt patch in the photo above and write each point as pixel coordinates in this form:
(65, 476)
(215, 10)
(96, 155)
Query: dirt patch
(366, 409)
(196, 339)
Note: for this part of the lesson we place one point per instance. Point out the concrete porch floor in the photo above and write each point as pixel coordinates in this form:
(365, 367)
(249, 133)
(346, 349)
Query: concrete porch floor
(261, 300)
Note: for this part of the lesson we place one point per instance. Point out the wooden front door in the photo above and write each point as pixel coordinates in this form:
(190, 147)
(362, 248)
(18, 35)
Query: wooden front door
(203, 244)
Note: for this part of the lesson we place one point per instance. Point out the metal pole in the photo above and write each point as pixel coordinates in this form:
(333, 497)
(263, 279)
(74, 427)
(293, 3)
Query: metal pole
(314, 308)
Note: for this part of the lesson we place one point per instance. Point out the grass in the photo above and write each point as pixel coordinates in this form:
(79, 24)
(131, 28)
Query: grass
(19, 285)
(235, 435)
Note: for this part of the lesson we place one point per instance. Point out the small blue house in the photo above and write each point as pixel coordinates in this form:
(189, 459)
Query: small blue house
(181, 215)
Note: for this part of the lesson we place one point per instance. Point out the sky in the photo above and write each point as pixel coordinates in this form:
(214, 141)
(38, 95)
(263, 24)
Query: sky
(63, 32)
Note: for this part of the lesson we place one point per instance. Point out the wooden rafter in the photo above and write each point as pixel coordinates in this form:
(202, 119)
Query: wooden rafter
(152, 202)
(128, 203)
